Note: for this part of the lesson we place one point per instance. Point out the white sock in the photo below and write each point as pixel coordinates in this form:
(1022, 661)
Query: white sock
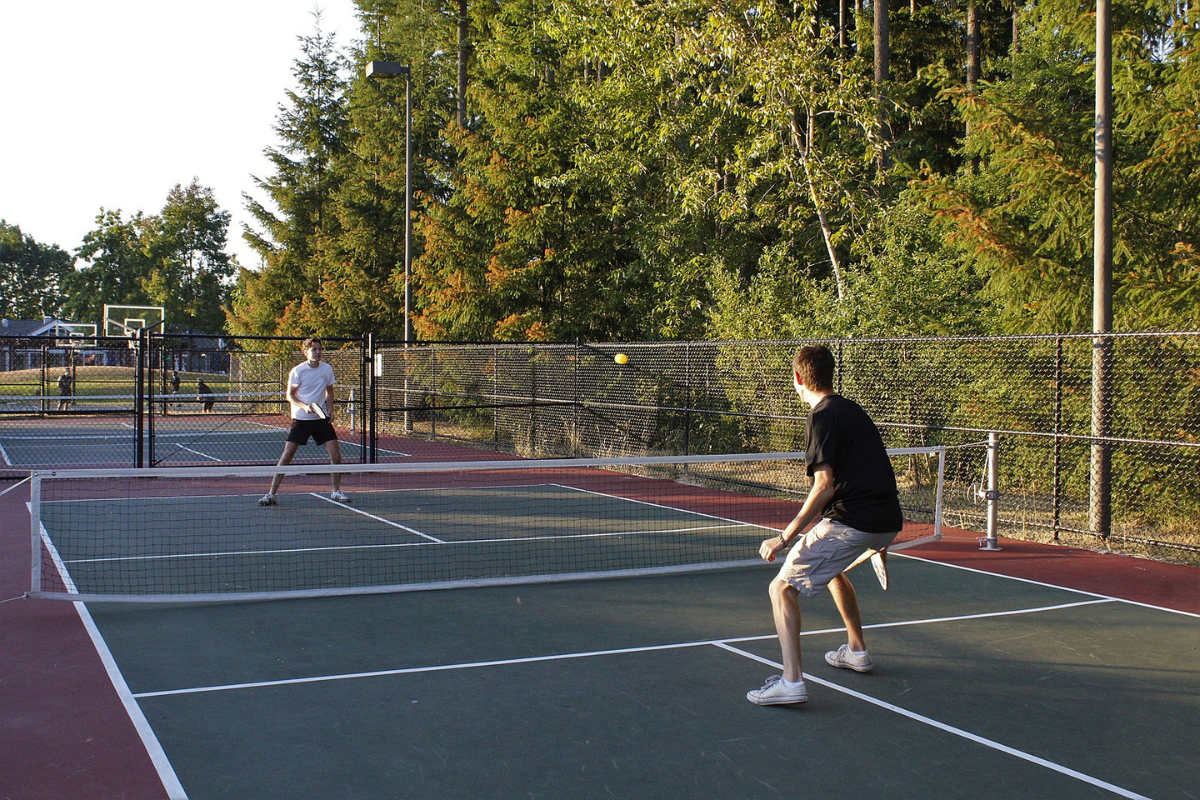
(856, 653)
(792, 684)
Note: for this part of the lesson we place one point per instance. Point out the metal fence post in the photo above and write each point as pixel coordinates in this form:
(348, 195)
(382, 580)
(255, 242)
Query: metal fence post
(139, 397)
(373, 372)
(1100, 501)
(1056, 520)
(687, 398)
(992, 494)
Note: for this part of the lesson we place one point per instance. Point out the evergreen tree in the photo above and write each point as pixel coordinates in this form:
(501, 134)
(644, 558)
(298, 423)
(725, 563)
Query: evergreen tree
(290, 292)
(370, 200)
(1024, 215)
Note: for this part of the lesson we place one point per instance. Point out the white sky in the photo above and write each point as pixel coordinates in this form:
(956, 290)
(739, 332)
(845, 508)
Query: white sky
(110, 104)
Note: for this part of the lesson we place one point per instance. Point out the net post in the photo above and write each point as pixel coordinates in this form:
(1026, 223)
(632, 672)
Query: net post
(139, 398)
(148, 346)
(937, 500)
(374, 373)
(992, 494)
(35, 532)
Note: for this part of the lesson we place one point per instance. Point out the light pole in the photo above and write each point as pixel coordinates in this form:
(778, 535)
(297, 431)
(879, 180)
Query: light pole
(391, 69)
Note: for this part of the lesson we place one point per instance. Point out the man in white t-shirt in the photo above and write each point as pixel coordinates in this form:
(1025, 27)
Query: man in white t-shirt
(310, 394)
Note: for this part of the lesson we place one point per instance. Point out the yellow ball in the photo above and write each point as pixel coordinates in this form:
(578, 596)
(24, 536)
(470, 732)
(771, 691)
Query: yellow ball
(621, 358)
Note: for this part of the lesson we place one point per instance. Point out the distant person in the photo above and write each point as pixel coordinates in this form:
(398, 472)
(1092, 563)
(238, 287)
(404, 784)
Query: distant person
(64, 389)
(854, 495)
(205, 396)
(310, 395)
(175, 386)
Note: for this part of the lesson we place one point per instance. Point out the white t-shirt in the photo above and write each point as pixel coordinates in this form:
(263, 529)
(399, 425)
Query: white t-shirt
(312, 382)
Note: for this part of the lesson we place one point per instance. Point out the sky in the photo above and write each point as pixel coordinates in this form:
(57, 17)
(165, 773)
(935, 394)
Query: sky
(111, 104)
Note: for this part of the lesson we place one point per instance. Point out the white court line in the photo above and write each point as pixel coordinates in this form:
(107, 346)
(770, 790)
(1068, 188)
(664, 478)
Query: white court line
(1048, 585)
(569, 656)
(187, 449)
(942, 726)
(660, 505)
(724, 645)
(4, 453)
(391, 545)
(256, 495)
(377, 518)
(166, 773)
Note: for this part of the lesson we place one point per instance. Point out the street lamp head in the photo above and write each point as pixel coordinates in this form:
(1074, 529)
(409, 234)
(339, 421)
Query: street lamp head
(387, 69)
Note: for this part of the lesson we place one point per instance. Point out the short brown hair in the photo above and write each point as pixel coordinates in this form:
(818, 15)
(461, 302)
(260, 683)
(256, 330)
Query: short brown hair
(309, 342)
(814, 367)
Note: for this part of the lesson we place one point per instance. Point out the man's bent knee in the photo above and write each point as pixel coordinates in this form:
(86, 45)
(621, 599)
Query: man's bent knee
(781, 589)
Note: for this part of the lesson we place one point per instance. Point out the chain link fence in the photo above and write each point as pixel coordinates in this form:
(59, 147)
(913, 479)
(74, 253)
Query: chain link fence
(191, 400)
(689, 398)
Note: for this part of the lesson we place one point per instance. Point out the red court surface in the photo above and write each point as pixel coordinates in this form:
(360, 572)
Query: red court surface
(65, 731)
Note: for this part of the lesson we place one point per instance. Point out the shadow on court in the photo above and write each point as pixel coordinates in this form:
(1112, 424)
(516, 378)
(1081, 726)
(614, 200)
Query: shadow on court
(985, 686)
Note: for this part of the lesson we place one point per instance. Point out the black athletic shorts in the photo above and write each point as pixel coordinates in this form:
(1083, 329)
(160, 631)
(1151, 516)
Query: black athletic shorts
(321, 430)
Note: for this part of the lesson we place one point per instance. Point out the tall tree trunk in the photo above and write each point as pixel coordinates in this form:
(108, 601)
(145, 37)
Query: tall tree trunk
(881, 76)
(1016, 33)
(842, 25)
(972, 49)
(464, 52)
(803, 144)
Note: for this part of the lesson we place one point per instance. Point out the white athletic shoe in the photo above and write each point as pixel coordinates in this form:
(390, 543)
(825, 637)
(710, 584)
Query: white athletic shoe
(267, 499)
(844, 659)
(774, 693)
(339, 496)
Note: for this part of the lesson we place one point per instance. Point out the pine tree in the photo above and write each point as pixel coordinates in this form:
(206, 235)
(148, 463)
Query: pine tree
(1022, 211)
(290, 292)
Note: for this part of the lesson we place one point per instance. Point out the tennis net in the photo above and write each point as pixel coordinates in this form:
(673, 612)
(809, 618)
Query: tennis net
(199, 534)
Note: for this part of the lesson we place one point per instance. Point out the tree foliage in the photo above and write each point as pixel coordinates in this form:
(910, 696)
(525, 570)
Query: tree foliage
(175, 259)
(298, 222)
(642, 169)
(1023, 211)
(31, 275)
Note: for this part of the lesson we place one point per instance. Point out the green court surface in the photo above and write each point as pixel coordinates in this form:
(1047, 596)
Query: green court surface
(45, 446)
(106, 542)
(985, 686)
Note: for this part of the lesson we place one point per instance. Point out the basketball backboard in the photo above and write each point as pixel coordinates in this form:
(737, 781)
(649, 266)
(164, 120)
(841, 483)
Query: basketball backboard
(75, 334)
(128, 320)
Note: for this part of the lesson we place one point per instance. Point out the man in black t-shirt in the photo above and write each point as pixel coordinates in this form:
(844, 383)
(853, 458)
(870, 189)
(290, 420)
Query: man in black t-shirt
(854, 496)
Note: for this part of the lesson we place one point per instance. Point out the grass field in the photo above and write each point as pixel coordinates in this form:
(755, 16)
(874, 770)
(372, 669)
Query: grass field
(98, 381)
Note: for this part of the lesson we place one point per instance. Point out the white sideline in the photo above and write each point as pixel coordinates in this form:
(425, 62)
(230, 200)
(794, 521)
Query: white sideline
(166, 773)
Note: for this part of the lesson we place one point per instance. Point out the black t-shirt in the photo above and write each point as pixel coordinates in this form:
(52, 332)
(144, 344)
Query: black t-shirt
(839, 433)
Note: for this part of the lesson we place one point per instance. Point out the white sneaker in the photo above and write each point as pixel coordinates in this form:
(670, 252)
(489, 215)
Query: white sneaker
(844, 659)
(774, 693)
(339, 496)
(267, 499)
